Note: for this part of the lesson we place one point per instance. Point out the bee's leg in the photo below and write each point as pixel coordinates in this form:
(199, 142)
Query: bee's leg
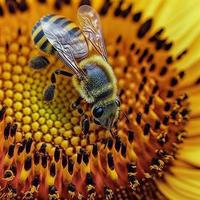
(62, 72)
(85, 124)
(50, 90)
(113, 133)
(77, 103)
(39, 62)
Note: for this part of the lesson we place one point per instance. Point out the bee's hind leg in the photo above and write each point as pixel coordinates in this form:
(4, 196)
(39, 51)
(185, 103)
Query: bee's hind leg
(39, 62)
(50, 90)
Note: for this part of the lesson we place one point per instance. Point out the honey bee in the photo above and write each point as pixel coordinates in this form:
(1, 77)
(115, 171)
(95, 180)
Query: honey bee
(83, 51)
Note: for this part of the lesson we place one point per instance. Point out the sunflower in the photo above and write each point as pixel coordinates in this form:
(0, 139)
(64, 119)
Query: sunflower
(153, 47)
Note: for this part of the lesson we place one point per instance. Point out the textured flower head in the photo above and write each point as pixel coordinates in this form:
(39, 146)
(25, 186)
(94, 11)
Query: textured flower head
(153, 47)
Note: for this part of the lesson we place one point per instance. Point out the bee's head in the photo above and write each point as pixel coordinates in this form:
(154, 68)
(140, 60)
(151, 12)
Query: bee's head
(106, 114)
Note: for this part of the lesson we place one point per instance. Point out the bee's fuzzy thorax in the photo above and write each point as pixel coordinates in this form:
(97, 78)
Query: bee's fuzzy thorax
(112, 85)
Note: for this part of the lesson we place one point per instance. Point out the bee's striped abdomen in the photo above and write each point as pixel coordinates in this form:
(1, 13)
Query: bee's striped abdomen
(41, 40)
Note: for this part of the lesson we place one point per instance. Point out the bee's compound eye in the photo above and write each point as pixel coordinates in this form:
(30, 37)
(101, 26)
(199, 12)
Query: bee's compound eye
(117, 101)
(98, 111)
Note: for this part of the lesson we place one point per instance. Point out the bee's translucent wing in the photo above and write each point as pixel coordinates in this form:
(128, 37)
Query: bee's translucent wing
(64, 45)
(91, 27)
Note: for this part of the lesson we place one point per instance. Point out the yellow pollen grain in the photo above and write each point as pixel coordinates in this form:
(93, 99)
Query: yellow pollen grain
(75, 141)
(69, 151)
(26, 102)
(27, 69)
(18, 96)
(49, 123)
(8, 84)
(67, 134)
(46, 115)
(17, 106)
(101, 134)
(2, 58)
(26, 119)
(53, 117)
(41, 120)
(2, 49)
(9, 111)
(57, 124)
(75, 113)
(68, 115)
(64, 144)
(48, 147)
(58, 140)
(61, 130)
(8, 102)
(6, 75)
(26, 94)
(18, 116)
(83, 142)
(35, 126)
(18, 87)
(49, 111)
(92, 138)
(77, 130)
(26, 128)
(25, 50)
(27, 86)
(23, 40)
(12, 58)
(14, 48)
(33, 99)
(54, 131)
(18, 136)
(17, 69)
(9, 93)
(23, 78)
(38, 136)
(27, 111)
(34, 107)
(68, 126)
(30, 80)
(74, 120)
(35, 116)
(42, 111)
(1, 95)
(22, 60)
(28, 135)
(15, 78)
(47, 137)
(8, 119)
(44, 128)
(56, 110)
(64, 120)
(7, 66)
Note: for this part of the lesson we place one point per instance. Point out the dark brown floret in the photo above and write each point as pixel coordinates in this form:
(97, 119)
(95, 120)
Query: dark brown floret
(144, 28)
(28, 163)
(136, 17)
(103, 11)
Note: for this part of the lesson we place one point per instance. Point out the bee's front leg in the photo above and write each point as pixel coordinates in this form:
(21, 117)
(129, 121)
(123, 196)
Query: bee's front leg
(85, 121)
(85, 124)
(77, 103)
(50, 90)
